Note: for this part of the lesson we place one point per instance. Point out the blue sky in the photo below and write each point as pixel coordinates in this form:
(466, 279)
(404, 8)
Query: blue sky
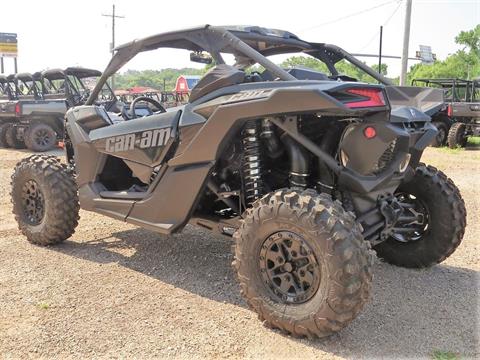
(62, 33)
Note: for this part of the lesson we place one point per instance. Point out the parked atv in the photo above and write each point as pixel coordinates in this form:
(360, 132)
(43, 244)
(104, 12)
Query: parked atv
(459, 118)
(8, 96)
(34, 115)
(307, 176)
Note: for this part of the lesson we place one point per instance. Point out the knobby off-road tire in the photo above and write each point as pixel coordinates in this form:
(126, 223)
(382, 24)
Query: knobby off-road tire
(45, 199)
(446, 222)
(441, 138)
(344, 261)
(12, 140)
(3, 132)
(456, 136)
(40, 137)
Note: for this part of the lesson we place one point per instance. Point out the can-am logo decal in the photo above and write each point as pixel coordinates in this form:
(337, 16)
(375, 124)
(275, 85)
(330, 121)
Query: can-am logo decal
(147, 139)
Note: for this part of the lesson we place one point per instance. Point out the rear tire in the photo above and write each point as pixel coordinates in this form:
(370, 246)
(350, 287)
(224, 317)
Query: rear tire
(11, 138)
(3, 133)
(446, 222)
(456, 136)
(45, 200)
(40, 137)
(441, 138)
(339, 263)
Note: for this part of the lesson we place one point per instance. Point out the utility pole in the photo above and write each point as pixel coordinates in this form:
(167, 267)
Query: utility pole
(113, 16)
(406, 40)
(380, 51)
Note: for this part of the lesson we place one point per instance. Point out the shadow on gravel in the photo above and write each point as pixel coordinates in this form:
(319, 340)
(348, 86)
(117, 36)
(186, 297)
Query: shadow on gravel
(412, 313)
(56, 152)
(194, 260)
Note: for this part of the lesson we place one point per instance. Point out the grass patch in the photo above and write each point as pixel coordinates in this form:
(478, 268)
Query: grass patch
(457, 150)
(444, 355)
(474, 140)
(43, 305)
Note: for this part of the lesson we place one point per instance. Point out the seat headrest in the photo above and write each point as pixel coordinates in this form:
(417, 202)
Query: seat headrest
(218, 77)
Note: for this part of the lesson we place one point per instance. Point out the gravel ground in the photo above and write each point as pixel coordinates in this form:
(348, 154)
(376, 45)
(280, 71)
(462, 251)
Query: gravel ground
(114, 290)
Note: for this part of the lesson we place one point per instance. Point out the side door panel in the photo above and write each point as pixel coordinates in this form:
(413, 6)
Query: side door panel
(145, 141)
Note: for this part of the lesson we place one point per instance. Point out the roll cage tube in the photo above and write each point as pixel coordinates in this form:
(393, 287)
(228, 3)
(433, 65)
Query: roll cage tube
(58, 74)
(250, 42)
(243, 48)
(74, 77)
(349, 57)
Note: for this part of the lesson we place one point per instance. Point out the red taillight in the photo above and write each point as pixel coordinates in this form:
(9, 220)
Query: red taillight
(374, 98)
(18, 110)
(369, 132)
(449, 111)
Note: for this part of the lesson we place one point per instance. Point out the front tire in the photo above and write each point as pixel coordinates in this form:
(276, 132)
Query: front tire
(444, 230)
(302, 263)
(3, 132)
(45, 200)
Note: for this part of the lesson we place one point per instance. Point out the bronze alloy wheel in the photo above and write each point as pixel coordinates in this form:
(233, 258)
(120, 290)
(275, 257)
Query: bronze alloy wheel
(289, 268)
(33, 202)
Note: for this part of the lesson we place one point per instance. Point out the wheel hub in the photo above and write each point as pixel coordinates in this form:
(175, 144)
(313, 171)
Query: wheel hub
(413, 221)
(33, 203)
(289, 268)
(441, 135)
(42, 137)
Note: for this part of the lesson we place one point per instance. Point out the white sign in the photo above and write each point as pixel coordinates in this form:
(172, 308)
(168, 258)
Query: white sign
(425, 54)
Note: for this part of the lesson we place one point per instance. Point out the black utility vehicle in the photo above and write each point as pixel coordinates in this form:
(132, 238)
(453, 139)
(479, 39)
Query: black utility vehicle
(460, 117)
(32, 115)
(306, 171)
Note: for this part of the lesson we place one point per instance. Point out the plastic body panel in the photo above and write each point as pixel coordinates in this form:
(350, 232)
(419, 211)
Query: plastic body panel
(427, 100)
(464, 109)
(199, 135)
(194, 147)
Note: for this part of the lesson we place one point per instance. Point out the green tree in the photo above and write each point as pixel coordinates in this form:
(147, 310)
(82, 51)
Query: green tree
(303, 61)
(343, 67)
(471, 40)
(154, 78)
(464, 64)
(384, 69)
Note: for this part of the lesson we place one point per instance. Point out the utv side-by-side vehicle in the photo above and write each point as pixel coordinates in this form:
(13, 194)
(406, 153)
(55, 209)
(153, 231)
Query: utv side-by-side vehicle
(459, 118)
(34, 106)
(308, 172)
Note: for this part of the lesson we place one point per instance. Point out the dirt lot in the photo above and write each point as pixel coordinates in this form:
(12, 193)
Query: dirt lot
(114, 290)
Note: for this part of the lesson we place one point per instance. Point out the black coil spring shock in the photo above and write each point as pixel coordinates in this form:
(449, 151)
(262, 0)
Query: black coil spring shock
(252, 163)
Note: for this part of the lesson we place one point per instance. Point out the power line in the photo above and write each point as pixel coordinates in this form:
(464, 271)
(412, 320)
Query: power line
(349, 16)
(113, 16)
(384, 24)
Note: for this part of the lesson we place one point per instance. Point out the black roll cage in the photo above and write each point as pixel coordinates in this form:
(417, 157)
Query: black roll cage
(472, 87)
(3, 81)
(72, 88)
(249, 45)
(25, 79)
